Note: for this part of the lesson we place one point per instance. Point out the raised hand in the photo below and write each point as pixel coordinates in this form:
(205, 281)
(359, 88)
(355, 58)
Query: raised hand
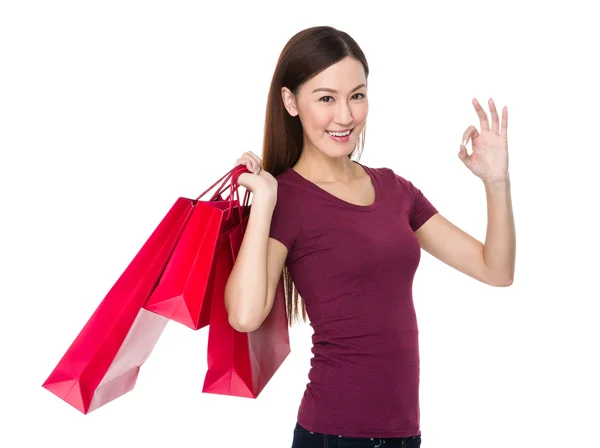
(489, 159)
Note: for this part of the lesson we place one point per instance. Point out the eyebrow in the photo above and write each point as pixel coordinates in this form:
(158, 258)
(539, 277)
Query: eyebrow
(325, 89)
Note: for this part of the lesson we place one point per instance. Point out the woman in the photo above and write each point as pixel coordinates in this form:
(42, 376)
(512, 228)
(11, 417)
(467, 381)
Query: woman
(350, 237)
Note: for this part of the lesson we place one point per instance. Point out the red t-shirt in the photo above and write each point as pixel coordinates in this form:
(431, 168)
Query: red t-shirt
(354, 267)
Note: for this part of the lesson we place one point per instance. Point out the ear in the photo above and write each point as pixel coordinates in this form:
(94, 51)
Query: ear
(289, 101)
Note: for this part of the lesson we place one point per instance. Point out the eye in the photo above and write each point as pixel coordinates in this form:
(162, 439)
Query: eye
(321, 99)
(362, 96)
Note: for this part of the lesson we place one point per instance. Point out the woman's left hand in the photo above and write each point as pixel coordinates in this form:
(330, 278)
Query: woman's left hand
(489, 159)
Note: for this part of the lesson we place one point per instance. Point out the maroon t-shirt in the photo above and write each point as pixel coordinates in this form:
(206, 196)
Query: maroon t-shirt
(354, 267)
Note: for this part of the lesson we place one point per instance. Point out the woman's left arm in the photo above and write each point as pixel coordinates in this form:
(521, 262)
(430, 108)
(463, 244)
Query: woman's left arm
(493, 262)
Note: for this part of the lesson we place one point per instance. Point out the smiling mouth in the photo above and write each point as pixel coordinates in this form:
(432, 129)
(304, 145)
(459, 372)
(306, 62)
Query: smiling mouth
(340, 133)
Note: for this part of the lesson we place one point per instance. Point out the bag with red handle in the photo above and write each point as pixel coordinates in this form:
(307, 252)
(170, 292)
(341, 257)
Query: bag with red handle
(175, 269)
(239, 363)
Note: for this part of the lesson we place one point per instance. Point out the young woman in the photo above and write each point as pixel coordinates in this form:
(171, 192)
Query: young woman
(349, 236)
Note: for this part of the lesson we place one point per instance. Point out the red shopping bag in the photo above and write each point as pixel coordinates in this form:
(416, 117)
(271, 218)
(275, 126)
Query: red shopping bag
(103, 361)
(241, 364)
(184, 291)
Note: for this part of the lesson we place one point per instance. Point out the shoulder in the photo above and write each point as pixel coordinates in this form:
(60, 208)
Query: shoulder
(285, 184)
(389, 176)
(392, 174)
(287, 192)
(383, 171)
(286, 217)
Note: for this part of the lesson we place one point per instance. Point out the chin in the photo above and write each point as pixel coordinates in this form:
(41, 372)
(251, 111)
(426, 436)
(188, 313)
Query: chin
(338, 154)
(333, 149)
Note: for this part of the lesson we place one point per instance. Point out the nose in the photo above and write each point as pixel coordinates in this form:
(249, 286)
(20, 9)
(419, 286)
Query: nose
(343, 114)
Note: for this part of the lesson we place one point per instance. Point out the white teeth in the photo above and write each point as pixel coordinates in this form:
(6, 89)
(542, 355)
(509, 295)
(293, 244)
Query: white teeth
(339, 134)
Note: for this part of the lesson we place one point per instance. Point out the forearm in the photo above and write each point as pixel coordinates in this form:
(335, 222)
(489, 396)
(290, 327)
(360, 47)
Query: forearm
(500, 241)
(246, 289)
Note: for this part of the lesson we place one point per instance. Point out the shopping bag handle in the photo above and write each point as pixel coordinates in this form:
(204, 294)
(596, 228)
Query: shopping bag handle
(234, 193)
(226, 177)
(233, 180)
(231, 176)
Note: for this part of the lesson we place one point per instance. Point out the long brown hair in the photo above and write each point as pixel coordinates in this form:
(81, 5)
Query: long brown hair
(305, 55)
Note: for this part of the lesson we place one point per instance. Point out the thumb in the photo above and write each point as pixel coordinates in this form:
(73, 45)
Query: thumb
(463, 155)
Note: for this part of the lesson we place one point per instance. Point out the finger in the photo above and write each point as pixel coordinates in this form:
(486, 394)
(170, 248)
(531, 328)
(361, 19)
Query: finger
(470, 134)
(256, 166)
(254, 157)
(484, 124)
(242, 160)
(249, 162)
(465, 157)
(494, 114)
(504, 130)
(463, 154)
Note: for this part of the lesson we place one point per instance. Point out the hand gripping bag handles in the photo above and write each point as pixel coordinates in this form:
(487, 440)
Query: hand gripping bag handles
(241, 364)
(103, 361)
(184, 291)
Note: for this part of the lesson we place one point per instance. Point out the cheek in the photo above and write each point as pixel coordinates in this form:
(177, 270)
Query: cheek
(323, 120)
(316, 118)
(360, 111)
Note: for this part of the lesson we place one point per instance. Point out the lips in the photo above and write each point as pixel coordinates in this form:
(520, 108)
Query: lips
(341, 138)
(348, 131)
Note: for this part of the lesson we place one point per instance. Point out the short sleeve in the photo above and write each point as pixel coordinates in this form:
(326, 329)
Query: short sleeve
(285, 223)
(421, 209)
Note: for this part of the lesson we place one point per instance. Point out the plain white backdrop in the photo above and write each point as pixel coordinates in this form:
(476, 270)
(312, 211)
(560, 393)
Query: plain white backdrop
(111, 110)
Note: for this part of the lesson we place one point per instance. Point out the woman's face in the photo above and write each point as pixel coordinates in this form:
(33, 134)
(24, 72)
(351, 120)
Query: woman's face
(333, 101)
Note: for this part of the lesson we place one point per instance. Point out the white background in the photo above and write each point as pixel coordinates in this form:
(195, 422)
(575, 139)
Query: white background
(111, 110)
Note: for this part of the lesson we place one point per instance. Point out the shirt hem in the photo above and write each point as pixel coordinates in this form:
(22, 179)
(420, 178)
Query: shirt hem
(344, 432)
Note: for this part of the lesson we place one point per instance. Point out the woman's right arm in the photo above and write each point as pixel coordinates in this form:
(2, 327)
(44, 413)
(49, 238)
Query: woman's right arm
(252, 283)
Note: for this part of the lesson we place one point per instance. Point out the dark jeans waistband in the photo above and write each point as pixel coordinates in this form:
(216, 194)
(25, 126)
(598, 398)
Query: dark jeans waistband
(303, 438)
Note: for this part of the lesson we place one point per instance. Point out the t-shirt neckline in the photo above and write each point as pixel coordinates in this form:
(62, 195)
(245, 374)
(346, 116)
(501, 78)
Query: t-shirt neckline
(334, 198)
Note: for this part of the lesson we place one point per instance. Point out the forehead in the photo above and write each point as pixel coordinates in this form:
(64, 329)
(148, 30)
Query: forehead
(342, 76)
